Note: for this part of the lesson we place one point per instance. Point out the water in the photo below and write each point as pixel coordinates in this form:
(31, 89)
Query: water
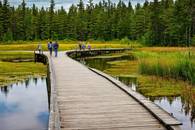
(129, 81)
(24, 105)
(179, 107)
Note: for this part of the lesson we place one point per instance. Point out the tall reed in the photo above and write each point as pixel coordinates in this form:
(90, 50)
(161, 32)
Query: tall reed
(167, 65)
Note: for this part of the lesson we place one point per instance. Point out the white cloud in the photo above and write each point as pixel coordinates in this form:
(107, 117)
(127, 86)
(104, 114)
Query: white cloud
(65, 3)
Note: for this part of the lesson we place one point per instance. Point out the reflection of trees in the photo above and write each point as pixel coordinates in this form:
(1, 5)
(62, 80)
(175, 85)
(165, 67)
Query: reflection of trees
(35, 80)
(98, 63)
(170, 99)
(193, 114)
(42, 79)
(5, 90)
(48, 82)
(188, 102)
(27, 83)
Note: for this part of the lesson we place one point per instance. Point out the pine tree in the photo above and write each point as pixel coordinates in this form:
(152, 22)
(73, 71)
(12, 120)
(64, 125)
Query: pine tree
(23, 14)
(155, 25)
(51, 21)
(5, 13)
(1, 21)
(158, 23)
(34, 22)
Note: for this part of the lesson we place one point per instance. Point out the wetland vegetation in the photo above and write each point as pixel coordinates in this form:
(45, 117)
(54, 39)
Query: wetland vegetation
(148, 66)
(12, 70)
(164, 75)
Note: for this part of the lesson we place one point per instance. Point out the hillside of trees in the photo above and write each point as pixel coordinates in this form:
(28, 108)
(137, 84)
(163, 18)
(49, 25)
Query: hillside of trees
(165, 22)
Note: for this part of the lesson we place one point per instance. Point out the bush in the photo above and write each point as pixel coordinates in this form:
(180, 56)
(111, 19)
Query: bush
(125, 41)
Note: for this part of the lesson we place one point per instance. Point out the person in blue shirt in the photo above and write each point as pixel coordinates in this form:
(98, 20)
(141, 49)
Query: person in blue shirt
(55, 47)
(49, 46)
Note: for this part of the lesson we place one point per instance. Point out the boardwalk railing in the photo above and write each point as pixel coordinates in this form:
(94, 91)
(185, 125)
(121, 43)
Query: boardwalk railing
(94, 52)
(162, 116)
(40, 57)
(54, 119)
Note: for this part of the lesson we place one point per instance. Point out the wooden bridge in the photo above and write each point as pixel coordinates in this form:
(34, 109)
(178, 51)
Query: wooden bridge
(84, 98)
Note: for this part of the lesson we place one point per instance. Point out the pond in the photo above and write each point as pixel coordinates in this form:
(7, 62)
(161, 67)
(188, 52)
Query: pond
(177, 106)
(24, 105)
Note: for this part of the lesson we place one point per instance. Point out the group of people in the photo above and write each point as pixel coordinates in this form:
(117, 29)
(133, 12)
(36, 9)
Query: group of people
(83, 46)
(54, 47)
(51, 46)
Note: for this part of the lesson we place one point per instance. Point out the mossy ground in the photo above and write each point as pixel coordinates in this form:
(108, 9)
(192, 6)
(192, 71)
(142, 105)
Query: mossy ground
(11, 72)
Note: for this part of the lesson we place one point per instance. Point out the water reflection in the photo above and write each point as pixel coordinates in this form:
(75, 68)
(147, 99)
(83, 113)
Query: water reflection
(175, 106)
(5, 90)
(24, 106)
(183, 107)
(102, 63)
(129, 81)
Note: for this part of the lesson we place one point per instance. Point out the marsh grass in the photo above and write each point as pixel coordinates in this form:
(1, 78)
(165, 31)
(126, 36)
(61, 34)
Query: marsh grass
(152, 86)
(176, 65)
(157, 65)
(9, 56)
(62, 47)
(11, 72)
(66, 45)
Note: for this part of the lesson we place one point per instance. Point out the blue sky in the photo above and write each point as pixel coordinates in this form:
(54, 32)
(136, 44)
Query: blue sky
(58, 3)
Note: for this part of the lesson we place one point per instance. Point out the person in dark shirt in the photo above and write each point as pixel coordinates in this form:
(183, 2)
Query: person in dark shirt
(55, 47)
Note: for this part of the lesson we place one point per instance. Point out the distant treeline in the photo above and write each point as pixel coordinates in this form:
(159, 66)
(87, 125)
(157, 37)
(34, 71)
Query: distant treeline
(165, 22)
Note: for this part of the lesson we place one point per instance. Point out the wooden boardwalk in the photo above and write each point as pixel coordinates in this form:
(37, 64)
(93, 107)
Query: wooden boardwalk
(86, 100)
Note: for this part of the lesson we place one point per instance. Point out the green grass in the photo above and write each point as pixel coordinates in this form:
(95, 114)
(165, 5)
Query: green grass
(11, 72)
(176, 65)
(65, 45)
(14, 72)
(146, 84)
(7, 56)
(62, 47)
(152, 85)
(122, 67)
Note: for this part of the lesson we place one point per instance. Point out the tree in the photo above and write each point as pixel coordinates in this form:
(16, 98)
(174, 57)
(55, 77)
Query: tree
(5, 13)
(155, 25)
(51, 21)
(164, 22)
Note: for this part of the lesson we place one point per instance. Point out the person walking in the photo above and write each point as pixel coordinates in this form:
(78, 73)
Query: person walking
(39, 48)
(80, 45)
(49, 46)
(55, 47)
(83, 46)
(88, 46)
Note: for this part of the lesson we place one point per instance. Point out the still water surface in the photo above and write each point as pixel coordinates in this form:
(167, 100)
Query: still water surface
(24, 106)
(177, 106)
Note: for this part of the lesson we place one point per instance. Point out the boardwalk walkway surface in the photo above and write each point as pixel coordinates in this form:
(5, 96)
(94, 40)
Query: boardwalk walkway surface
(86, 100)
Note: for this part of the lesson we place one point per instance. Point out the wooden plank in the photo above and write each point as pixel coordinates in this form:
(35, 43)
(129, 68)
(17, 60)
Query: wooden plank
(100, 125)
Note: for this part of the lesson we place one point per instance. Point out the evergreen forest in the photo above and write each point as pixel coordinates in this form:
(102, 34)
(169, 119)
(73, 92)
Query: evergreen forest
(160, 22)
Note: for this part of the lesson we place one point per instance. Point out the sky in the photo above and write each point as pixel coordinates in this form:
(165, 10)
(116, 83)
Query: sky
(65, 3)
